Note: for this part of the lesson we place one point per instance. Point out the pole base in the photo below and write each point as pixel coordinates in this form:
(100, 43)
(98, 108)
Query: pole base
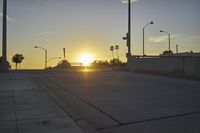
(128, 55)
(4, 67)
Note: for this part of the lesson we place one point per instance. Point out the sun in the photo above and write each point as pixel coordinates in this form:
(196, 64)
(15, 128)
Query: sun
(86, 59)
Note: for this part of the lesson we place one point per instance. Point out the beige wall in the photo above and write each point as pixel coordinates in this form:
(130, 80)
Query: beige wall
(189, 66)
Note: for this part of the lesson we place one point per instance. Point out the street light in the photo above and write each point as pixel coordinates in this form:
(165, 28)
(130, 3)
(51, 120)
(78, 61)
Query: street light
(169, 38)
(45, 66)
(143, 35)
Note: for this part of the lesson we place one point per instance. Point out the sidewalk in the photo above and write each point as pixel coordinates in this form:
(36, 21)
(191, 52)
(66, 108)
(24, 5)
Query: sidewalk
(26, 108)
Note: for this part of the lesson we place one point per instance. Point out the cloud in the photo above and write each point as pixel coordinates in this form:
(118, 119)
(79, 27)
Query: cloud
(158, 39)
(197, 37)
(126, 1)
(161, 38)
(8, 18)
(45, 33)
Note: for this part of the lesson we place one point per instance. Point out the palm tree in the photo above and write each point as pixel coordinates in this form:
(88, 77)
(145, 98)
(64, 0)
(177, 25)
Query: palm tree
(17, 59)
(112, 49)
(117, 48)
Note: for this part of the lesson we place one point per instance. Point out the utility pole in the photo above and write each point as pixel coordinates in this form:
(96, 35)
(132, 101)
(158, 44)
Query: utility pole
(4, 63)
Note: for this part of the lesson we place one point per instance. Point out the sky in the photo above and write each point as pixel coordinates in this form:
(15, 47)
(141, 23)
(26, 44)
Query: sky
(92, 26)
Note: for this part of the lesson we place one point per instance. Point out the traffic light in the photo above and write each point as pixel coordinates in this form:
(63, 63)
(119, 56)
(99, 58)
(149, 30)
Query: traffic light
(127, 43)
(127, 39)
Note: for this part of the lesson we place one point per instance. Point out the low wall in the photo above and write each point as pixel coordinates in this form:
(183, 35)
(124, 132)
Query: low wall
(190, 66)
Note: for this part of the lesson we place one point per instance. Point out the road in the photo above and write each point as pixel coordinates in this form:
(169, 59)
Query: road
(123, 102)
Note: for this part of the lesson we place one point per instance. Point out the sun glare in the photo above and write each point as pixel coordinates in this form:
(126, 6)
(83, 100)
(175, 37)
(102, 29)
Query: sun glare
(86, 59)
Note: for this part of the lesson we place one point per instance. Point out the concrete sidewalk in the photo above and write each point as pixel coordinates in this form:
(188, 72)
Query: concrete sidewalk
(26, 108)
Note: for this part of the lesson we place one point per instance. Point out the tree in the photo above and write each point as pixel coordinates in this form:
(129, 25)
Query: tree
(64, 64)
(116, 62)
(117, 48)
(167, 53)
(112, 49)
(100, 63)
(7, 62)
(17, 59)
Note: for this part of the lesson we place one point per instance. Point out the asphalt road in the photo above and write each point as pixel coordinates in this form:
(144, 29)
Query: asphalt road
(123, 102)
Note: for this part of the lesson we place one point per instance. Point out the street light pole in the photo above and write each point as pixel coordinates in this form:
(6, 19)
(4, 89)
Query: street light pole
(45, 62)
(4, 63)
(129, 27)
(143, 36)
(128, 35)
(169, 36)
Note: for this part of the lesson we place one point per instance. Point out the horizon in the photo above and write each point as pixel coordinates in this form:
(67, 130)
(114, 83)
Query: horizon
(88, 27)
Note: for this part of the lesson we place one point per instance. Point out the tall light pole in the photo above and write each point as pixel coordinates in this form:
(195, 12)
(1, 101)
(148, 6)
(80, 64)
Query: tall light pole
(4, 63)
(128, 35)
(143, 36)
(129, 27)
(45, 66)
(169, 38)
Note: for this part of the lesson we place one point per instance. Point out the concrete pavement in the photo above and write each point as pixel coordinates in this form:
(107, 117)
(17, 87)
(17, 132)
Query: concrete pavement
(97, 102)
(26, 108)
(118, 102)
